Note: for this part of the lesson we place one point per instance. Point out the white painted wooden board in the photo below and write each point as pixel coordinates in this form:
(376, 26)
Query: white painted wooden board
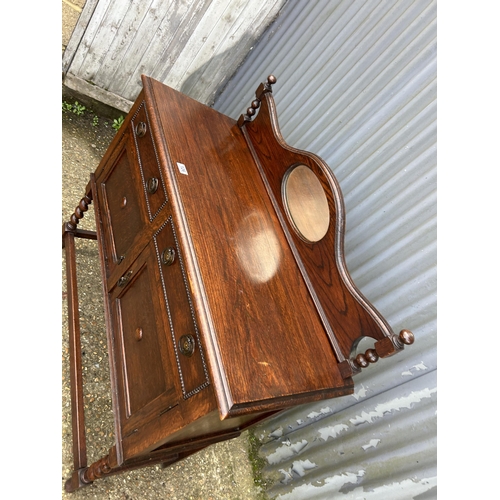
(194, 46)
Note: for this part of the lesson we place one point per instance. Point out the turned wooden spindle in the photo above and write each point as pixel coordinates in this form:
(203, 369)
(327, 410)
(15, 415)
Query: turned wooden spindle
(96, 470)
(361, 361)
(371, 355)
(261, 90)
(253, 108)
(256, 104)
(405, 337)
(271, 80)
(80, 210)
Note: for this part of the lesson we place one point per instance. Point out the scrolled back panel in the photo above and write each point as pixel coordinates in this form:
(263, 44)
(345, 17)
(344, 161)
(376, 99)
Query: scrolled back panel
(345, 311)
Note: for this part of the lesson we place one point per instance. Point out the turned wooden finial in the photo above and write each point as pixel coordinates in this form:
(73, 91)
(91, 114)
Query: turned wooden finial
(406, 337)
(264, 88)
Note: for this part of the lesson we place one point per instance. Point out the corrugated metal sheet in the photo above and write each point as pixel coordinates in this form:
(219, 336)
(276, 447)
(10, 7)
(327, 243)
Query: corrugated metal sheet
(357, 86)
(191, 45)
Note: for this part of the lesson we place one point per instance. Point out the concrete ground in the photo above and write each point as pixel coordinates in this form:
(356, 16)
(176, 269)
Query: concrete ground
(222, 471)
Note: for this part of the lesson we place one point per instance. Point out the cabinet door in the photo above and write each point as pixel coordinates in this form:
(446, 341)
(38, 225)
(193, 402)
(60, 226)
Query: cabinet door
(147, 384)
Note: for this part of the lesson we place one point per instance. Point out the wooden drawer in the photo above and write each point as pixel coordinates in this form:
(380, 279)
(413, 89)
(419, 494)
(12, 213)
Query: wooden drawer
(190, 357)
(148, 162)
(123, 214)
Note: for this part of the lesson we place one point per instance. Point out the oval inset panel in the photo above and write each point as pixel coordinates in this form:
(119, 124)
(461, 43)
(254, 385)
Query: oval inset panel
(306, 203)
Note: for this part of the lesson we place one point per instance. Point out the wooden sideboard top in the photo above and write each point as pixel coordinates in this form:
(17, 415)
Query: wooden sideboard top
(264, 337)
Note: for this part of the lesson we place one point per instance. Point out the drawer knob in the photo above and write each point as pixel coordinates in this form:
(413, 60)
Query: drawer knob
(152, 185)
(140, 129)
(168, 256)
(124, 279)
(186, 345)
(138, 334)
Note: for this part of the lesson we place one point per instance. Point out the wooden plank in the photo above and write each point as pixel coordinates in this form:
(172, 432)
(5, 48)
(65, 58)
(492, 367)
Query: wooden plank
(157, 49)
(101, 95)
(104, 38)
(149, 38)
(170, 55)
(78, 33)
(115, 56)
(264, 297)
(193, 46)
(93, 25)
(215, 68)
(205, 34)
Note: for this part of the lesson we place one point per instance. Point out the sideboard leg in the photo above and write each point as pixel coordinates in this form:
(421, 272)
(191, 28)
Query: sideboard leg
(87, 475)
(75, 481)
(75, 355)
(96, 470)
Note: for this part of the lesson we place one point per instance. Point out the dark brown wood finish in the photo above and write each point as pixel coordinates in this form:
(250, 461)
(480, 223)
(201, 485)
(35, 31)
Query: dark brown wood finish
(248, 274)
(217, 313)
(77, 406)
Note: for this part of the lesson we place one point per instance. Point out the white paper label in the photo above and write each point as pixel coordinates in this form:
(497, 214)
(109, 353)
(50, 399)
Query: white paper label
(182, 168)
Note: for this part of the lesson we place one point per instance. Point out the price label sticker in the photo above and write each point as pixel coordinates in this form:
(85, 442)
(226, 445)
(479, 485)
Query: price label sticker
(182, 168)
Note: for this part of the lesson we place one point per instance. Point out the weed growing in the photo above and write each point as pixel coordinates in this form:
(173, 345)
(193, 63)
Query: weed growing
(79, 109)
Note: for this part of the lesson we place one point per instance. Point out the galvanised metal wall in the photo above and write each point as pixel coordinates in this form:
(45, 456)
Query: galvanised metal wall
(357, 86)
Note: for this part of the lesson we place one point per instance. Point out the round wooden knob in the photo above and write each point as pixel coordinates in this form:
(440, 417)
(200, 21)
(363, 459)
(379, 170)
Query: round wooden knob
(271, 79)
(406, 337)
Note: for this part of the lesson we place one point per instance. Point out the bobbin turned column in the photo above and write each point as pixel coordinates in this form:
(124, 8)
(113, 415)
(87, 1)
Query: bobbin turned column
(80, 210)
(96, 470)
(72, 225)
